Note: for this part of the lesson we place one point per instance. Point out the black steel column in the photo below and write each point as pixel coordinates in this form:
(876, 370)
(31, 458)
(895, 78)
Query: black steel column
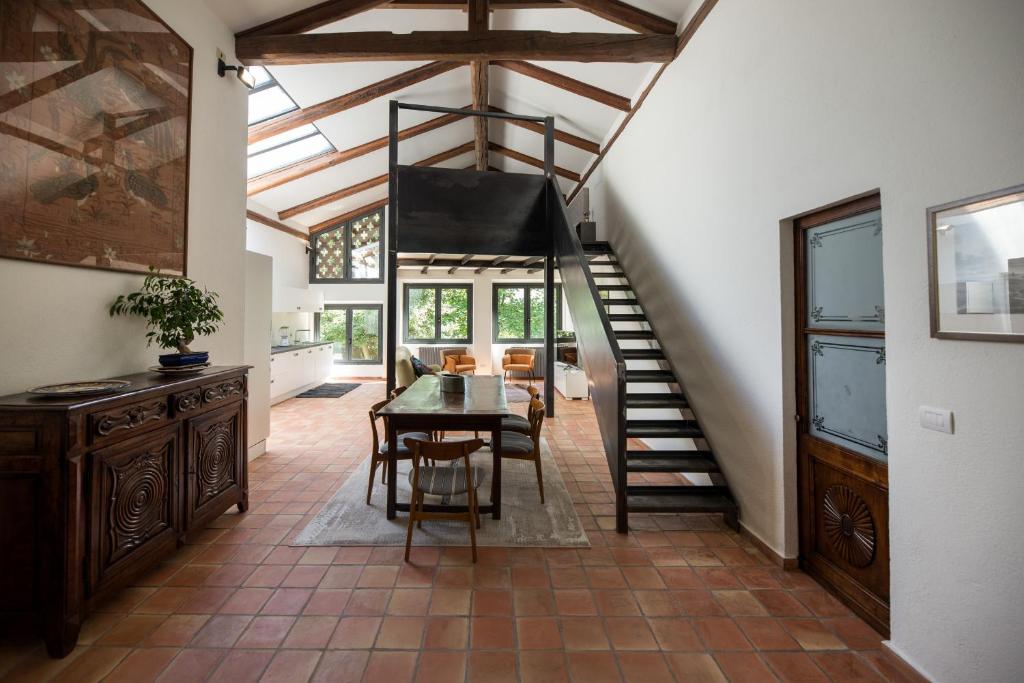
(549, 269)
(392, 276)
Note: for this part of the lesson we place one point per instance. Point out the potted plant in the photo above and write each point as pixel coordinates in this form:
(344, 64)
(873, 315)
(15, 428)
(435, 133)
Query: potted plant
(176, 312)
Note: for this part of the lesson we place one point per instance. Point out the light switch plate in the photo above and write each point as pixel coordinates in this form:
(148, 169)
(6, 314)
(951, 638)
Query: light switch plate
(936, 419)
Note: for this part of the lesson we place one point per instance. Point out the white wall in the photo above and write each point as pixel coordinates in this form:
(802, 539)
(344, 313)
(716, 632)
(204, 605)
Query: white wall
(258, 283)
(778, 108)
(55, 318)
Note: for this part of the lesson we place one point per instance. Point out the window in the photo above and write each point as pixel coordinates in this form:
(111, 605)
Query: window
(519, 313)
(439, 314)
(355, 330)
(269, 100)
(349, 252)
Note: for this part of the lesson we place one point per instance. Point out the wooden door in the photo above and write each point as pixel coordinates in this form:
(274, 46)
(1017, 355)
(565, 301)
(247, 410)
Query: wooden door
(842, 437)
(133, 507)
(215, 463)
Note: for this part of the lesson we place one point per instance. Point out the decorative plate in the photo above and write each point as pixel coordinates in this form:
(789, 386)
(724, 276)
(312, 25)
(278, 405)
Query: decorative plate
(71, 389)
(181, 369)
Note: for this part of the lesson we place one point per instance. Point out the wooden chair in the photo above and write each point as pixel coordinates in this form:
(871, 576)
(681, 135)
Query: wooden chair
(443, 481)
(519, 360)
(457, 361)
(518, 423)
(397, 391)
(379, 452)
(527, 447)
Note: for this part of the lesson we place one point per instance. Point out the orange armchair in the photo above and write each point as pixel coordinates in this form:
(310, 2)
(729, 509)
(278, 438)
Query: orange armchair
(456, 360)
(518, 360)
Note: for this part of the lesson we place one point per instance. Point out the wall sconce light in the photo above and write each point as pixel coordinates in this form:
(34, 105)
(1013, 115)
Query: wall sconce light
(244, 75)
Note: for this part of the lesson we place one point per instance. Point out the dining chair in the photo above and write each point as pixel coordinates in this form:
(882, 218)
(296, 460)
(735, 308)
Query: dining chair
(448, 480)
(397, 391)
(518, 423)
(379, 452)
(517, 446)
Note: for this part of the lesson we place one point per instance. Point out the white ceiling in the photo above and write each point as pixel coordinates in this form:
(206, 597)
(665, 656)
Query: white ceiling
(513, 92)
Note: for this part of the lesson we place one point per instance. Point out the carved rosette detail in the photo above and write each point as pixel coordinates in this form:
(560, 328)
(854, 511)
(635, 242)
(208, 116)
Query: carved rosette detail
(138, 502)
(214, 463)
(849, 526)
(188, 401)
(131, 417)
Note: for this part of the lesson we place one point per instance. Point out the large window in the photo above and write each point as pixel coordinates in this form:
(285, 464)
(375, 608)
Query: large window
(439, 314)
(519, 312)
(355, 330)
(269, 100)
(349, 252)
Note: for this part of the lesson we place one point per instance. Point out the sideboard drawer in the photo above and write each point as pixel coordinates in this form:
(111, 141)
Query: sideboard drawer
(221, 392)
(127, 419)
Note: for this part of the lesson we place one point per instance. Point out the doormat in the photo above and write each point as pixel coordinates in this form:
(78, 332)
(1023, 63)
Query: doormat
(328, 391)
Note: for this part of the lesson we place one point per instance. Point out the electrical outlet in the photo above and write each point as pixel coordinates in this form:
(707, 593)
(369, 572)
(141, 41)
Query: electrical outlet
(936, 419)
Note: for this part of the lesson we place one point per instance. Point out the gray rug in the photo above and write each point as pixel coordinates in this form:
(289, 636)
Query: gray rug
(347, 520)
(514, 393)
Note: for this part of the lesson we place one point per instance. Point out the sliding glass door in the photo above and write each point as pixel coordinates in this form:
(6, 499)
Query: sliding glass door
(355, 330)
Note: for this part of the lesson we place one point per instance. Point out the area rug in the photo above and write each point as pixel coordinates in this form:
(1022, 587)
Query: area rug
(328, 391)
(346, 519)
(516, 393)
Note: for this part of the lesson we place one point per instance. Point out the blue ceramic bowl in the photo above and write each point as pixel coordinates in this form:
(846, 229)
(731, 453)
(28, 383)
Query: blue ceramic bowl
(174, 360)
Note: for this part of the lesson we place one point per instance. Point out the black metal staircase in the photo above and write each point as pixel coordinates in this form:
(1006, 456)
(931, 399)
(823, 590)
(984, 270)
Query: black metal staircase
(654, 385)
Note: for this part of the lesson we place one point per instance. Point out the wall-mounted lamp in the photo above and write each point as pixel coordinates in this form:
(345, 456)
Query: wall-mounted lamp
(243, 74)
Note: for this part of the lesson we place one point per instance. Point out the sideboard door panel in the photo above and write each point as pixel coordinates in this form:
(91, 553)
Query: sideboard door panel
(216, 455)
(132, 498)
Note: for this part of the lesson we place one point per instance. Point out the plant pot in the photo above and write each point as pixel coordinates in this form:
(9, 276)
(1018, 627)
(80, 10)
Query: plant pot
(175, 360)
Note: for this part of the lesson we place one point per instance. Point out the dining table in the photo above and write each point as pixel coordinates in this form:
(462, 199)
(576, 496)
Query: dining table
(425, 407)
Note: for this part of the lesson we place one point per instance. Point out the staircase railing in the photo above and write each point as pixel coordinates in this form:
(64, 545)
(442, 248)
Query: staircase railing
(598, 347)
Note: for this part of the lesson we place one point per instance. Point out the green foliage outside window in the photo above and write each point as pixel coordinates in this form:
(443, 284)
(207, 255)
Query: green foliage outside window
(511, 313)
(421, 313)
(334, 328)
(454, 313)
(365, 339)
(438, 313)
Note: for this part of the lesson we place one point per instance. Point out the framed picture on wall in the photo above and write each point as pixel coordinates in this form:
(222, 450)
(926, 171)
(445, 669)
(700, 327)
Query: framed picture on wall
(976, 267)
(94, 129)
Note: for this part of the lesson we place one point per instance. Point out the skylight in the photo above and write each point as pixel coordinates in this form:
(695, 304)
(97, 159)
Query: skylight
(266, 101)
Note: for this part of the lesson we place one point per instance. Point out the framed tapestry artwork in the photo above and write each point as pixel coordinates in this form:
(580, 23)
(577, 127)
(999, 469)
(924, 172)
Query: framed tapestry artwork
(94, 127)
(976, 267)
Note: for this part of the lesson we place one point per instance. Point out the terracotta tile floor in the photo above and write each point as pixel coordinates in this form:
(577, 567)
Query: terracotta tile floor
(680, 598)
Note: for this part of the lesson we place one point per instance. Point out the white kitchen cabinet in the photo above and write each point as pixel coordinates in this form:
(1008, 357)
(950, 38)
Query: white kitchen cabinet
(295, 370)
(571, 381)
(298, 300)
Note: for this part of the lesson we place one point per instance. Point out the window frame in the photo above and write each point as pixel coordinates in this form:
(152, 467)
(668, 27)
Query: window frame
(348, 308)
(437, 287)
(528, 286)
(347, 267)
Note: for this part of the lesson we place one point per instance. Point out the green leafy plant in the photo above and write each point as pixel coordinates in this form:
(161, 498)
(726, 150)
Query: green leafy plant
(176, 310)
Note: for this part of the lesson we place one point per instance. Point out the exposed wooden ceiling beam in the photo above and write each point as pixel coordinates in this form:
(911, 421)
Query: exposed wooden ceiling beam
(622, 14)
(526, 263)
(479, 22)
(683, 40)
(560, 135)
(322, 162)
(532, 161)
(465, 260)
(312, 17)
(354, 213)
(430, 262)
(461, 4)
(316, 203)
(276, 225)
(566, 83)
(491, 264)
(321, 110)
(461, 46)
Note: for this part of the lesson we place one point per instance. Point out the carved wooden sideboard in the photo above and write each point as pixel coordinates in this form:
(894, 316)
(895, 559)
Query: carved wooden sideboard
(93, 491)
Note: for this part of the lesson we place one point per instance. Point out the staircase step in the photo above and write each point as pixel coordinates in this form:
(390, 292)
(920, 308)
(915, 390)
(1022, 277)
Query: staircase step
(679, 499)
(622, 302)
(671, 461)
(604, 276)
(614, 288)
(627, 317)
(597, 248)
(651, 376)
(642, 354)
(600, 258)
(663, 429)
(634, 334)
(654, 400)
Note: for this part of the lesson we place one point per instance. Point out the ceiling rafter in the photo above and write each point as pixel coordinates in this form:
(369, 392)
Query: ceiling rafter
(327, 160)
(622, 14)
(494, 262)
(336, 105)
(478, 12)
(560, 135)
(465, 260)
(461, 4)
(312, 17)
(430, 262)
(532, 161)
(370, 183)
(276, 225)
(574, 86)
(345, 217)
(478, 265)
(460, 46)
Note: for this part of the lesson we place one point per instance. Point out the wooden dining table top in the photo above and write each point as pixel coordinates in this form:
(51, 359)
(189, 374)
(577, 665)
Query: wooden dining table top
(484, 395)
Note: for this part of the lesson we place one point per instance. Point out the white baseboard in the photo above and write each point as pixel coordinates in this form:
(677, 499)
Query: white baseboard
(257, 449)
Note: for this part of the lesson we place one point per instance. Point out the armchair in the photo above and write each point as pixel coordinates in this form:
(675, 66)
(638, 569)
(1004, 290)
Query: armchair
(456, 360)
(518, 360)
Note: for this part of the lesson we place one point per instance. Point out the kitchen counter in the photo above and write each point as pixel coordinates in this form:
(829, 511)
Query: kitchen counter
(296, 347)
